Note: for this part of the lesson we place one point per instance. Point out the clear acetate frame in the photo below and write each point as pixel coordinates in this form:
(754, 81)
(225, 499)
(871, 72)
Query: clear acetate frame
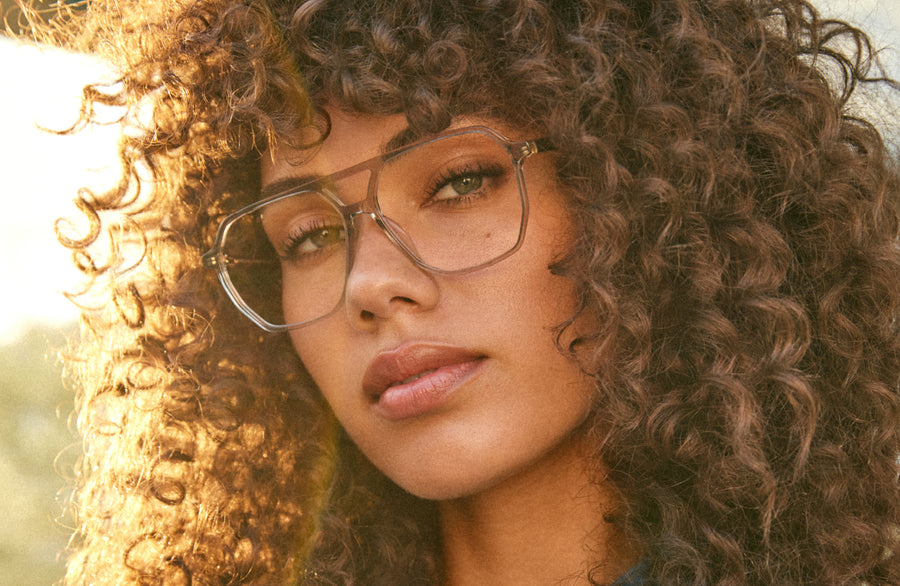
(440, 235)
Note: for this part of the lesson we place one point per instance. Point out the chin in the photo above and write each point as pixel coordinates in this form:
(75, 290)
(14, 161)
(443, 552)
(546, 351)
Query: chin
(445, 484)
(439, 491)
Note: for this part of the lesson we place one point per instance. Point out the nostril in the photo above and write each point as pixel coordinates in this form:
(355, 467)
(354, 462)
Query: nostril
(367, 315)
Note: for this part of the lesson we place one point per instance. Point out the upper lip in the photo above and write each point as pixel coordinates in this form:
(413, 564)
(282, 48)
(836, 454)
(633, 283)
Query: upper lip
(392, 366)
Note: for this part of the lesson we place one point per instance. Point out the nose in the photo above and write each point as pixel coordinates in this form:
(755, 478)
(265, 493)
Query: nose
(383, 281)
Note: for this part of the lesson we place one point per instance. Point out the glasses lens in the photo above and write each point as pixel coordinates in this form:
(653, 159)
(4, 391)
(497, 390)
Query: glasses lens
(299, 240)
(454, 202)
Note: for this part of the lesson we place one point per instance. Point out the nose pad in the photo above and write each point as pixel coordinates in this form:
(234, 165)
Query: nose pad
(391, 230)
(394, 229)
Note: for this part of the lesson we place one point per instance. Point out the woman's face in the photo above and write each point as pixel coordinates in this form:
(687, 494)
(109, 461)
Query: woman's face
(495, 396)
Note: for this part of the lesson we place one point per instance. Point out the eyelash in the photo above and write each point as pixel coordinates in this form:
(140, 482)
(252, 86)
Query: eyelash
(301, 236)
(485, 171)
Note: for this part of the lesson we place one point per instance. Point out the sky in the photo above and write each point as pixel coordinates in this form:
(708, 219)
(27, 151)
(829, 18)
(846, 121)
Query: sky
(40, 173)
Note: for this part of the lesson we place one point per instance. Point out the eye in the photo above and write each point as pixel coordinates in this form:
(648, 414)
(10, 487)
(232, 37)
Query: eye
(466, 184)
(463, 184)
(314, 239)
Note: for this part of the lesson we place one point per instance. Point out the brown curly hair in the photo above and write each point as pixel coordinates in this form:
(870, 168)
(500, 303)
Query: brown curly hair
(737, 243)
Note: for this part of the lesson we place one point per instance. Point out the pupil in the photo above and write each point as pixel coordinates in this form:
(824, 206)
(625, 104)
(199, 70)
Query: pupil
(463, 185)
(325, 237)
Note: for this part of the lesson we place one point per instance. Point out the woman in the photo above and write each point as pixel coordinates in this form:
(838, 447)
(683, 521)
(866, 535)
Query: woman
(510, 292)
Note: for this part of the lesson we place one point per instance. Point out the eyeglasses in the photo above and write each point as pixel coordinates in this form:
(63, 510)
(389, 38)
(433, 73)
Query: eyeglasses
(452, 204)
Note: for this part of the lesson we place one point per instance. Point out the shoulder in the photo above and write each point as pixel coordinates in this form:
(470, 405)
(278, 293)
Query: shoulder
(636, 576)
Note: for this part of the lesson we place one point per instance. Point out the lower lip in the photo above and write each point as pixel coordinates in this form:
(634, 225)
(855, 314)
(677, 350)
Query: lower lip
(426, 393)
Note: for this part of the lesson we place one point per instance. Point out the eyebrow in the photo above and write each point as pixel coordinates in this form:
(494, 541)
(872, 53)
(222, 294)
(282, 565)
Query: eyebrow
(403, 138)
(286, 184)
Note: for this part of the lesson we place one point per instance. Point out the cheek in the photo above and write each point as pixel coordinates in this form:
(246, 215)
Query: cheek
(537, 296)
(322, 360)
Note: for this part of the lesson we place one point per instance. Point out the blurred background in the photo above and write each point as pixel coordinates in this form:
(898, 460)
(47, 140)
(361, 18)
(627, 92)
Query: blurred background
(40, 174)
(39, 177)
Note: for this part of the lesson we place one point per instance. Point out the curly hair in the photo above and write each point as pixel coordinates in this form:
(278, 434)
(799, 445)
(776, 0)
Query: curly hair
(736, 245)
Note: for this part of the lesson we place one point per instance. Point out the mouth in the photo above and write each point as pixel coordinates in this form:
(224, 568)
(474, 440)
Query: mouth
(412, 378)
(417, 368)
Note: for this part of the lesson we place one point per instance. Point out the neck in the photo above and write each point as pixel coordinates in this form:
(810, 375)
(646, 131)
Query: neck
(543, 526)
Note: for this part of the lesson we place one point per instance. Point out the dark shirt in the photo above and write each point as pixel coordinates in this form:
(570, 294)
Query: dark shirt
(636, 576)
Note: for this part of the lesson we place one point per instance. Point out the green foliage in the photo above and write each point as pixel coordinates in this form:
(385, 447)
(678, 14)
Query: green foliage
(37, 452)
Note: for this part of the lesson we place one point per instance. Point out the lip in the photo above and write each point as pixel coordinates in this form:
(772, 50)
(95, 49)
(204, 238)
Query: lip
(445, 367)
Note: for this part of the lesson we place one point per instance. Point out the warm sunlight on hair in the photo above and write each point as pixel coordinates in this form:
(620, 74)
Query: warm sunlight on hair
(41, 173)
(462, 292)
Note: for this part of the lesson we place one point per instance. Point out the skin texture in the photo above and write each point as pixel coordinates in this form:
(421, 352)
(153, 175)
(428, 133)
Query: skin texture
(508, 433)
(522, 400)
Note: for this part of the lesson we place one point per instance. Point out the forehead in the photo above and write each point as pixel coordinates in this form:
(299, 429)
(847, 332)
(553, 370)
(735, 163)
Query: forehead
(355, 137)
